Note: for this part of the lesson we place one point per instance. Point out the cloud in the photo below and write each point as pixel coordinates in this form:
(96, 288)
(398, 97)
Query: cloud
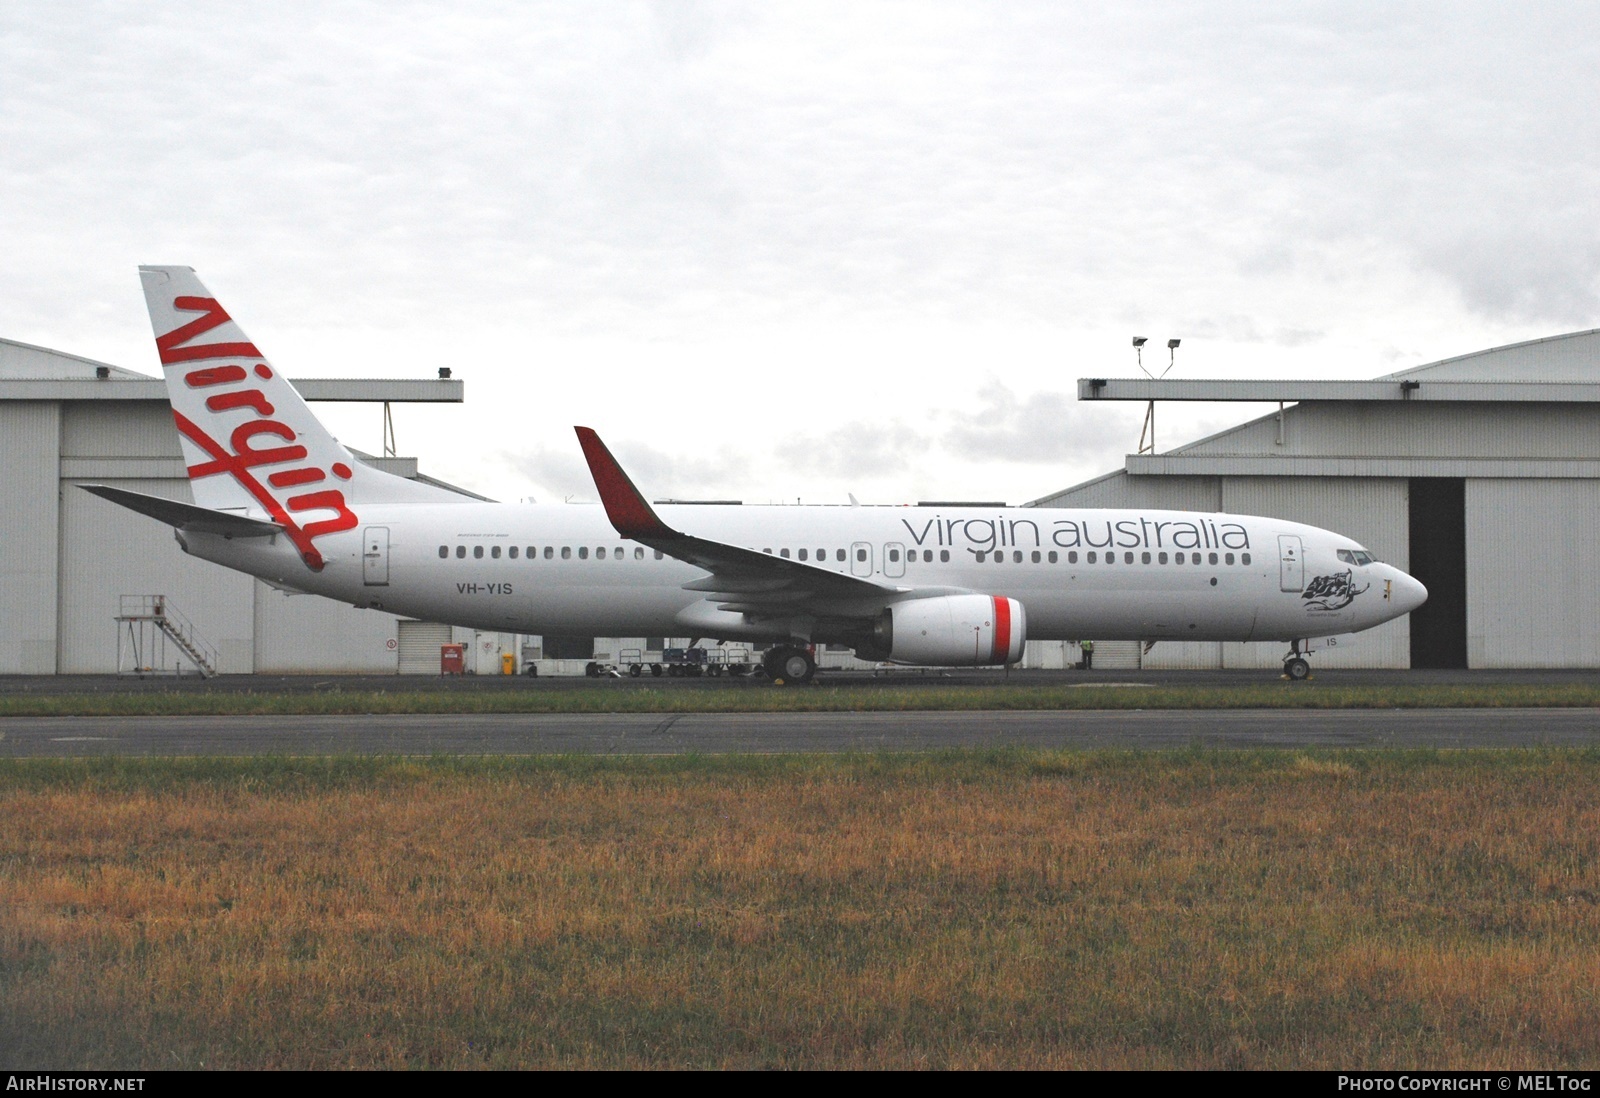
(1047, 428)
(417, 183)
(857, 449)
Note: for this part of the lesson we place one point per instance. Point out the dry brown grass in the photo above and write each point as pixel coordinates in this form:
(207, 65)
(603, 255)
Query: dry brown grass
(974, 909)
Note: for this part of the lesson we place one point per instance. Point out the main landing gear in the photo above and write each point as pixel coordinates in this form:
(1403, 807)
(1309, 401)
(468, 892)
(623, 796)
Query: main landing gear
(1295, 667)
(788, 666)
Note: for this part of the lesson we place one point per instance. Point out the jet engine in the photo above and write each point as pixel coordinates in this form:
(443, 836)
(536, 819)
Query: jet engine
(952, 630)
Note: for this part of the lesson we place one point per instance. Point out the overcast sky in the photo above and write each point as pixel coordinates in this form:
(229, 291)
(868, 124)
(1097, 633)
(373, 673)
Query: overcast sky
(793, 251)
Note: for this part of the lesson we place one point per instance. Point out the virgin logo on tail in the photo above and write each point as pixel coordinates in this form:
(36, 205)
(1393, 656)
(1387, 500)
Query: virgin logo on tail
(257, 442)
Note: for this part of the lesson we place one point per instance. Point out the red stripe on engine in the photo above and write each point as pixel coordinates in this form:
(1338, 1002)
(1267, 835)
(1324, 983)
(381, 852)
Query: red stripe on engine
(1002, 630)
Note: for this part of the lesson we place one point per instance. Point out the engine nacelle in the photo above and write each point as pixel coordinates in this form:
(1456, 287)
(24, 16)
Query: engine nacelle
(953, 630)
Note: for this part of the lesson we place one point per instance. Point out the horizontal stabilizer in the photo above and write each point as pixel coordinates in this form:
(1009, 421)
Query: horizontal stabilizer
(186, 516)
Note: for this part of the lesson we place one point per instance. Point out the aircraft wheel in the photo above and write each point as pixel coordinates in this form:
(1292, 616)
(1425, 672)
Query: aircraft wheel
(1297, 669)
(790, 666)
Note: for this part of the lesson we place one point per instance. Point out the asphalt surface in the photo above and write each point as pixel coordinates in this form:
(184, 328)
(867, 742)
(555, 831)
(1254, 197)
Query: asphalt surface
(643, 733)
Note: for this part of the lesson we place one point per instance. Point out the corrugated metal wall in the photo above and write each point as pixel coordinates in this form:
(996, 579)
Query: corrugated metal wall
(1401, 430)
(1533, 550)
(30, 434)
(308, 633)
(108, 551)
(1158, 493)
(120, 429)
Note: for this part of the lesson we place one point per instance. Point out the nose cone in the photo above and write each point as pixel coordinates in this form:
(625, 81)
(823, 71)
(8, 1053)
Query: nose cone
(1408, 593)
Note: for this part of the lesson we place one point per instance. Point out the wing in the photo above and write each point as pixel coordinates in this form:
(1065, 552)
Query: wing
(741, 580)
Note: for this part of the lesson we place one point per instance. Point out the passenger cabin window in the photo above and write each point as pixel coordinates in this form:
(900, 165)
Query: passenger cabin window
(494, 552)
(1072, 557)
(1144, 558)
(461, 551)
(638, 554)
(583, 552)
(1053, 556)
(894, 556)
(512, 552)
(801, 554)
(840, 554)
(1227, 558)
(600, 553)
(861, 554)
(1213, 558)
(1092, 559)
(1127, 558)
(784, 553)
(1244, 558)
(822, 554)
(444, 552)
(659, 554)
(1161, 558)
(477, 552)
(944, 556)
(566, 552)
(550, 551)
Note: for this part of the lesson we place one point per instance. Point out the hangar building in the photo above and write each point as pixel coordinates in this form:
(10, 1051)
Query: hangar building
(1480, 475)
(68, 558)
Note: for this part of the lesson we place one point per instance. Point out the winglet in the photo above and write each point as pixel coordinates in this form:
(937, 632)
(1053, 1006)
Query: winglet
(625, 506)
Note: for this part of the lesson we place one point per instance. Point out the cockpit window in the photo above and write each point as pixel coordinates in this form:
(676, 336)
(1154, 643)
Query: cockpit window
(1356, 556)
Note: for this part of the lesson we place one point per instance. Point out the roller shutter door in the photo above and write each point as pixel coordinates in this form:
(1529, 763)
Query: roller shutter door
(1117, 655)
(419, 646)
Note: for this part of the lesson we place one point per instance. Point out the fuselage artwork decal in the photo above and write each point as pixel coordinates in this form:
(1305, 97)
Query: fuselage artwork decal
(1332, 592)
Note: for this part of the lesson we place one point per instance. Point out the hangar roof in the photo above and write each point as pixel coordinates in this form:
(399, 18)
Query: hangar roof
(1556, 369)
(39, 373)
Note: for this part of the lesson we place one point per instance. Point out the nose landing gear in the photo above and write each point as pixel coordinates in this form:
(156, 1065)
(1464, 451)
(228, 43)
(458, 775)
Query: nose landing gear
(1295, 667)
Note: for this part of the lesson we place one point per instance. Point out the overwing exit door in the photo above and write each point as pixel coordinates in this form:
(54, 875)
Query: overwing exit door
(861, 559)
(375, 556)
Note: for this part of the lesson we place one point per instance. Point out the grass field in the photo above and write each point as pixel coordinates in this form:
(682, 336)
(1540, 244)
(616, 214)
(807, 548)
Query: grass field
(1192, 909)
(745, 697)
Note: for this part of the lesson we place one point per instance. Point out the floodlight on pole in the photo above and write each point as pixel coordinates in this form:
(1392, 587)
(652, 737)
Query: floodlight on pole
(1147, 435)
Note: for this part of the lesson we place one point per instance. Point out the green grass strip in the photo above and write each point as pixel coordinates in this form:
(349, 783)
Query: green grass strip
(747, 698)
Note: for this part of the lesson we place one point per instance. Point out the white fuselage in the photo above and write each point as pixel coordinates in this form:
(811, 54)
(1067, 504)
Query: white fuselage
(1102, 574)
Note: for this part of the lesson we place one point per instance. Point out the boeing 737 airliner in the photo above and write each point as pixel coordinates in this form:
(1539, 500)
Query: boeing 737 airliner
(276, 496)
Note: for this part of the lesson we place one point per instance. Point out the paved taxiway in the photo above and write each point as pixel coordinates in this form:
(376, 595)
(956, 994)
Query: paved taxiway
(655, 733)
